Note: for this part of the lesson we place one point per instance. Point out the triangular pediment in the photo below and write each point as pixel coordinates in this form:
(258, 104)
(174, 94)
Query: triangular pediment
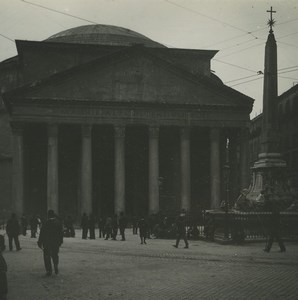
(129, 76)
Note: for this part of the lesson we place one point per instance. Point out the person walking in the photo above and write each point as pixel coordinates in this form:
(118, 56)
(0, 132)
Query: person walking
(274, 230)
(143, 230)
(108, 228)
(91, 227)
(24, 224)
(34, 221)
(69, 229)
(181, 231)
(114, 227)
(122, 225)
(151, 224)
(13, 231)
(134, 225)
(50, 239)
(101, 226)
(84, 226)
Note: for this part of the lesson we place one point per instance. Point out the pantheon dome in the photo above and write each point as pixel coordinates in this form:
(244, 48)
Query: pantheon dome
(103, 35)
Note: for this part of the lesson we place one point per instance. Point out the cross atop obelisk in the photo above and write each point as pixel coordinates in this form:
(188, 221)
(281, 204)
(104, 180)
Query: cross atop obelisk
(271, 21)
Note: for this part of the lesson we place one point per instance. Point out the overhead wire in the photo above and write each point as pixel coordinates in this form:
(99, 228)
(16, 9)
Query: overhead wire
(238, 44)
(289, 21)
(285, 68)
(247, 81)
(259, 73)
(59, 12)
(6, 37)
(241, 50)
(289, 71)
(242, 78)
(284, 43)
(208, 17)
(233, 65)
(285, 77)
(222, 22)
(193, 11)
(284, 36)
(224, 41)
(238, 28)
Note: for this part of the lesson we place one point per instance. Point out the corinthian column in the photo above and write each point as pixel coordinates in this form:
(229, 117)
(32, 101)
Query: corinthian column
(86, 170)
(185, 167)
(18, 170)
(215, 167)
(153, 170)
(119, 204)
(52, 174)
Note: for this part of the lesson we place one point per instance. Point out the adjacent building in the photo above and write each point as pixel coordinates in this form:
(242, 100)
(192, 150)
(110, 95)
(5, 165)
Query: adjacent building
(288, 127)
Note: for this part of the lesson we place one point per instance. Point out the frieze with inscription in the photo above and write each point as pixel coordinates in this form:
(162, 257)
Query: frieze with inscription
(171, 116)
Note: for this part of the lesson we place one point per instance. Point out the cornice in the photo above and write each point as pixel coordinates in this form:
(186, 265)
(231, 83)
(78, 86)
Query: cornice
(126, 104)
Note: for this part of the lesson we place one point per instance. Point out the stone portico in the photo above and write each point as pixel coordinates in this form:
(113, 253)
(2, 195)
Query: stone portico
(129, 130)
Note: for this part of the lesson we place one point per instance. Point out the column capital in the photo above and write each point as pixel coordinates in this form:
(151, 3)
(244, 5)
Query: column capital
(185, 132)
(52, 130)
(214, 133)
(153, 131)
(86, 130)
(244, 133)
(119, 131)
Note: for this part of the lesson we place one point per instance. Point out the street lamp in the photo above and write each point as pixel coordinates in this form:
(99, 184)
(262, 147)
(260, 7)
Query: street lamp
(226, 176)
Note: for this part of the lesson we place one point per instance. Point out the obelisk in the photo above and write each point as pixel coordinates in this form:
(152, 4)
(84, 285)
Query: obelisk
(269, 170)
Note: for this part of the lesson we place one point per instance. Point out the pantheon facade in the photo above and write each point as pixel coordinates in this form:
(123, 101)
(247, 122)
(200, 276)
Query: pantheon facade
(105, 120)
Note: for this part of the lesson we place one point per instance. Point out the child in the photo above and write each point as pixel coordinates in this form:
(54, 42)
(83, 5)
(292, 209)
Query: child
(3, 270)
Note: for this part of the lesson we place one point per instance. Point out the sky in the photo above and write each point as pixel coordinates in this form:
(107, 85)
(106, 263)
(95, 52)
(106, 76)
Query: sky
(236, 28)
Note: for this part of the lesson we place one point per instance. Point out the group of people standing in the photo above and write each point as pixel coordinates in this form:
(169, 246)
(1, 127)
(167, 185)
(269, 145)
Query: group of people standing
(108, 227)
(34, 224)
(14, 229)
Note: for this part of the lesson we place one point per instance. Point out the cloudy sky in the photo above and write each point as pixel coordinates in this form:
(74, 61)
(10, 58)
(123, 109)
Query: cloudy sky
(237, 28)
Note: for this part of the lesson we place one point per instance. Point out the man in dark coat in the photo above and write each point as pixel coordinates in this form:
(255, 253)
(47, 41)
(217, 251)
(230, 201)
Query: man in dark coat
(143, 230)
(114, 227)
(181, 231)
(122, 225)
(274, 230)
(91, 227)
(13, 231)
(50, 240)
(84, 226)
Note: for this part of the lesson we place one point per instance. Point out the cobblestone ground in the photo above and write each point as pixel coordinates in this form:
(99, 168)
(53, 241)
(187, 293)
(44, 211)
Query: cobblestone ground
(99, 269)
